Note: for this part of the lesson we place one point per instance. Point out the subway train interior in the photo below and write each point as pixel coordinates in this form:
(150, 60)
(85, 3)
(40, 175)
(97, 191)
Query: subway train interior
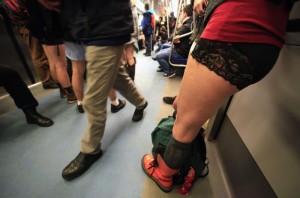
(252, 141)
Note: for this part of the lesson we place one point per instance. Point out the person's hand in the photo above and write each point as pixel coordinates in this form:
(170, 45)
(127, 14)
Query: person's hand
(199, 6)
(175, 104)
(176, 39)
(51, 4)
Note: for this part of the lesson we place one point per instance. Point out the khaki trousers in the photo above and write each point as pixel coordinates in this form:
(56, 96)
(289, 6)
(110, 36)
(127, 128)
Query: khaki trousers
(103, 73)
(37, 53)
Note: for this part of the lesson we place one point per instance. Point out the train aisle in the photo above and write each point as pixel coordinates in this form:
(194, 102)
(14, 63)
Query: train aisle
(32, 157)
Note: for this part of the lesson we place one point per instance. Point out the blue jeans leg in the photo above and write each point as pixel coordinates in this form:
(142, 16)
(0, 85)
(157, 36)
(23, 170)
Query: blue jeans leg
(163, 59)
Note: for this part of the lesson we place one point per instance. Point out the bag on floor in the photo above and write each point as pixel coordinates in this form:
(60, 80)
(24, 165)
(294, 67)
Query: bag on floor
(197, 166)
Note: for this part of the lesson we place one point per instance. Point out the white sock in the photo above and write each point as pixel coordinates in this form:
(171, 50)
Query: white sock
(115, 102)
(79, 102)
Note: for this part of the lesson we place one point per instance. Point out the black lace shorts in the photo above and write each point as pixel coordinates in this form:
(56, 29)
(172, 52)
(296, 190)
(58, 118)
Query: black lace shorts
(242, 64)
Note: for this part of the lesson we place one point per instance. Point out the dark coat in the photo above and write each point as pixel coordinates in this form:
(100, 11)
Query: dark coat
(184, 46)
(94, 20)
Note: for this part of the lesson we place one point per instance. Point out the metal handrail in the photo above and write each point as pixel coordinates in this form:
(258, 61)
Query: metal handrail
(182, 2)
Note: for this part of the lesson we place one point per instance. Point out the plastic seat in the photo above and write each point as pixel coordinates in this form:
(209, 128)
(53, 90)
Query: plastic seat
(181, 61)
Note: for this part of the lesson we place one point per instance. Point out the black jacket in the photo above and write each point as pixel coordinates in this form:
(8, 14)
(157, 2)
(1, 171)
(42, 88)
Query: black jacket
(184, 46)
(97, 20)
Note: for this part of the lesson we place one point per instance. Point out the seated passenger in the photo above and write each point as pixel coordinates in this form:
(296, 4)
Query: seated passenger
(23, 98)
(141, 41)
(162, 38)
(181, 46)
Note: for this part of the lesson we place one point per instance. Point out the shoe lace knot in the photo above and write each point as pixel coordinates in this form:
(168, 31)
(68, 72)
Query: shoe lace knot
(153, 164)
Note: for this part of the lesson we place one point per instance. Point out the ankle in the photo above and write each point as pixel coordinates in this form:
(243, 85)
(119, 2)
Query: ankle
(177, 153)
(115, 102)
(29, 110)
(131, 61)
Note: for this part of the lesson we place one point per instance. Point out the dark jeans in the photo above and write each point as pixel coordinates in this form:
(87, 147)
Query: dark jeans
(17, 89)
(148, 43)
(163, 58)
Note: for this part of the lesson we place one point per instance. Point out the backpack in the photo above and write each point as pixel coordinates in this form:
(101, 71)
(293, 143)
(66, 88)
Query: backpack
(197, 166)
(148, 23)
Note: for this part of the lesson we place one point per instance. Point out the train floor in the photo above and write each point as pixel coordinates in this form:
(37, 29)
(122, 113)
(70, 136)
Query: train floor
(32, 157)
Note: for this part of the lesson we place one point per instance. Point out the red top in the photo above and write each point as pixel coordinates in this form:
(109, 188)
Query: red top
(248, 21)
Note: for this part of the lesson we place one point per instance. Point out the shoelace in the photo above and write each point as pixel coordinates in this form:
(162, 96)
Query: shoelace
(153, 164)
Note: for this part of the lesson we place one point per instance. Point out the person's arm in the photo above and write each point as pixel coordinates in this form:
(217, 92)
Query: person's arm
(185, 28)
(199, 6)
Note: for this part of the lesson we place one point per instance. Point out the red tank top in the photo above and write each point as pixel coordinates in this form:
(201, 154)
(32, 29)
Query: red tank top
(248, 21)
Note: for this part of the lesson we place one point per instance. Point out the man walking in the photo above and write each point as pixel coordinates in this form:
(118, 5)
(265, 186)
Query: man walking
(94, 23)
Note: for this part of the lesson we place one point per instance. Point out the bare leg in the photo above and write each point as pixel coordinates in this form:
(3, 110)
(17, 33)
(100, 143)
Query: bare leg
(112, 95)
(56, 56)
(201, 93)
(129, 51)
(51, 64)
(78, 68)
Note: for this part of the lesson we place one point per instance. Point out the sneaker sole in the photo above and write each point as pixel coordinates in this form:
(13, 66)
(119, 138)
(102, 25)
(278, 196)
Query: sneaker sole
(71, 101)
(172, 75)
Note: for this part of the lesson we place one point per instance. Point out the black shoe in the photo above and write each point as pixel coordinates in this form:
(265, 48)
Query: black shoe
(169, 100)
(80, 165)
(138, 113)
(115, 109)
(62, 93)
(80, 108)
(50, 85)
(169, 75)
(71, 97)
(147, 54)
(33, 117)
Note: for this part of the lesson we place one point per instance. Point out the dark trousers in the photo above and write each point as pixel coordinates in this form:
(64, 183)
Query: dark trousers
(148, 43)
(17, 89)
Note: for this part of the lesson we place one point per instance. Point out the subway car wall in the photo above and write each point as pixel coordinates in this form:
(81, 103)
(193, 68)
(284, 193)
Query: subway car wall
(267, 119)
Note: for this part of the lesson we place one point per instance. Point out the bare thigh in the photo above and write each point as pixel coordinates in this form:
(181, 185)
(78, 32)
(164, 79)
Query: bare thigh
(201, 93)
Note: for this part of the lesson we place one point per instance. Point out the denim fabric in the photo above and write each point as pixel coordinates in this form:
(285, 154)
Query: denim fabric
(75, 51)
(148, 43)
(163, 58)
